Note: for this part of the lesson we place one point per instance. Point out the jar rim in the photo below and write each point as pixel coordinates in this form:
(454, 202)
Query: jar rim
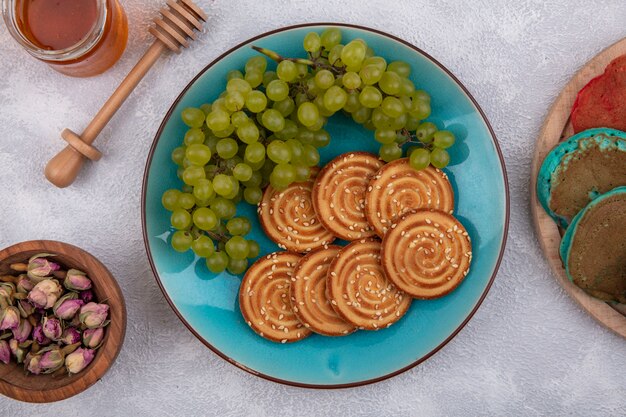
(75, 51)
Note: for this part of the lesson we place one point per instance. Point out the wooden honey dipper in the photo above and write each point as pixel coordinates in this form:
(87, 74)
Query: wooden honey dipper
(173, 29)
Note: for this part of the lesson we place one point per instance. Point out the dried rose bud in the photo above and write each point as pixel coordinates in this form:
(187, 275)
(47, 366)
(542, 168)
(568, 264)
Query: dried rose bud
(9, 318)
(52, 328)
(86, 295)
(78, 360)
(67, 306)
(70, 336)
(23, 331)
(25, 308)
(94, 315)
(5, 351)
(51, 359)
(7, 289)
(31, 363)
(40, 268)
(18, 351)
(39, 336)
(76, 280)
(92, 338)
(24, 284)
(45, 293)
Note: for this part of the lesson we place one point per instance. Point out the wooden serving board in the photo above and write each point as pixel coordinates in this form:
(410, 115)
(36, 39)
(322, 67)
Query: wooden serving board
(556, 128)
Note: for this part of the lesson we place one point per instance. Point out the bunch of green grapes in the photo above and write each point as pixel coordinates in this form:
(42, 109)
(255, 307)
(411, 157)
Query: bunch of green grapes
(267, 126)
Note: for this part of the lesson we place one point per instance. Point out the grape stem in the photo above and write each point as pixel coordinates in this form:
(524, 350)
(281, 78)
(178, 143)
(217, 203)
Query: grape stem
(315, 63)
(217, 236)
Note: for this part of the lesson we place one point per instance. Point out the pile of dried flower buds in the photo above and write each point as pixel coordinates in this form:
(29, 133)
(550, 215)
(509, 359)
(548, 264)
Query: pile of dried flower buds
(48, 317)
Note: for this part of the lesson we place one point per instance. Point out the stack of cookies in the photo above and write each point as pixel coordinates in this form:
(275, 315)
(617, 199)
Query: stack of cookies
(404, 243)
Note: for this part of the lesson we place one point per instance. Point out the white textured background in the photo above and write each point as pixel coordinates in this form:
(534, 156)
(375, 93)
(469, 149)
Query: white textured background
(530, 350)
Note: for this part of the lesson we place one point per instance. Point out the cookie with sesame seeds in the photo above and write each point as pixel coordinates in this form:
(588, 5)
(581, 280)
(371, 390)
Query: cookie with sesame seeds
(397, 188)
(436, 257)
(308, 294)
(289, 219)
(264, 298)
(359, 290)
(339, 194)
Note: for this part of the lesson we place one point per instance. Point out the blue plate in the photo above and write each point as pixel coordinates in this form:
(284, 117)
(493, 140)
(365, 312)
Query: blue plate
(207, 303)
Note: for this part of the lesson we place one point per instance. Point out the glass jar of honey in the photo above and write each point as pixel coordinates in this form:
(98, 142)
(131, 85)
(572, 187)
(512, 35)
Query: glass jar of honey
(80, 38)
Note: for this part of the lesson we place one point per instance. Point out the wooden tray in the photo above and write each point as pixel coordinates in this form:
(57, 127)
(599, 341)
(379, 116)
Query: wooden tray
(557, 127)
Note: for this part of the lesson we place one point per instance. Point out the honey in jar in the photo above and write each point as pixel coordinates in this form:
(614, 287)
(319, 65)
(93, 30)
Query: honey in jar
(79, 38)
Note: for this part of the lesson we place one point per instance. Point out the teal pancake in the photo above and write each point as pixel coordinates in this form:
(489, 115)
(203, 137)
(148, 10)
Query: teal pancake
(579, 169)
(593, 248)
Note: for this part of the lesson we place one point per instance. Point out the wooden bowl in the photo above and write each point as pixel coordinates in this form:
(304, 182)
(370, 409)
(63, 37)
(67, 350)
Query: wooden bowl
(14, 381)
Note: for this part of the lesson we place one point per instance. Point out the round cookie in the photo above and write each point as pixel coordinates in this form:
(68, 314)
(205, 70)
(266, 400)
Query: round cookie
(308, 294)
(436, 254)
(264, 298)
(339, 194)
(398, 188)
(359, 291)
(289, 219)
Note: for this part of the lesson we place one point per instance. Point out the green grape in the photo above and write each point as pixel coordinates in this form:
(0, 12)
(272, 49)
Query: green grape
(335, 98)
(178, 154)
(238, 226)
(308, 114)
(440, 158)
(210, 170)
(180, 219)
(392, 107)
(256, 101)
(370, 97)
(268, 77)
(443, 139)
(377, 61)
(407, 87)
(334, 56)
(419, 158)
(253, 249)
(204, 218)
(406, 102)
(217, 262)
(218, 120)
(399, 122)
(302, 172)
(203, 246)
(222, 184)
(255, 165)
(380, 120)
(351, 80)
(194, 135)
(370, 74)
(273, 120)
(169, 199)
(198, 154)
(301, 98)
(287, 70)
(234, 101)
(330, 37)
(420, 109)
(255, 179)
(239, 196)
(252, 195)
(239, 118)
(234, 74)
(193, 117)
(203, 190)
(285, 107)
(279, 152)
(353, 53)
(242, 172)
(277, 90)
(425, 132)
(312, 42)
(227, 148)
(181, 241)
(295, 150)
(237, 266)
(412, 123)
(324, 79)
(321, 138)
(319, 103)
(218, 104)
(390, 83)
(369, 52)
(352, 102)
(255, 152)
(369, 125)
(362, 115)
(305, 136)
(192, 174)
(179, 172)
(186, 200)
(385, 136)
(412, 149)
(223, 208)
(421, 95)
(289, 131)
(390, 152)
(256, 63)
(400, 67)
(254, 78)
(248, 133)
(283, 174)
(303, 70)
(237, 247)
(211, 142)
(238, 85)
(231, 163)
(186, 189)
(317, 125)
(310, 155)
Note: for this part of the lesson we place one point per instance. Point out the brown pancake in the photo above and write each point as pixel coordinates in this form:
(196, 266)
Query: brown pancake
(308, 294)
(436, 254)
(360, 292)
(398, 188)
(289, 219)
(264, 298)
(339, 194)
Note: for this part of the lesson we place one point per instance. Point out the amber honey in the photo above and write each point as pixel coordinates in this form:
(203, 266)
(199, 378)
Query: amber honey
(80, 38)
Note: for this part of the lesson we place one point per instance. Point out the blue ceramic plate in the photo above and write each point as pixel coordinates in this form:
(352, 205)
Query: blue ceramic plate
(207, 303)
